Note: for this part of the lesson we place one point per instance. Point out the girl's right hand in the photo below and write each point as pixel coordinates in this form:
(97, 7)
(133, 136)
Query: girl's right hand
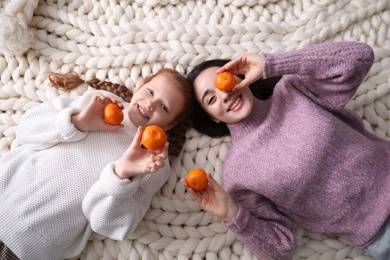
(91, 118)
(214, 199)
(249, 65)
(138, 161)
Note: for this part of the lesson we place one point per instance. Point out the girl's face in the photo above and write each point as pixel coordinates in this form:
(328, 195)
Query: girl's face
(229, 108)
(157, 102)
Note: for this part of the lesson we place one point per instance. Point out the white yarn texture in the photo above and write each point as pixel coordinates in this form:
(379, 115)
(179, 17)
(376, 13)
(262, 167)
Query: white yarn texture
(124, 41)
(15, 36)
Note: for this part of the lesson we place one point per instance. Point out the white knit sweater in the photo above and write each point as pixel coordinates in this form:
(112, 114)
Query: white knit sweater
(60, 185)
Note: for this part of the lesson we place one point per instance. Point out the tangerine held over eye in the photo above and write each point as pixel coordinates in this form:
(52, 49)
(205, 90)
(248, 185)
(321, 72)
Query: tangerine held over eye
(197, 179)
(153, 137)
(225, 81)
(113, 114)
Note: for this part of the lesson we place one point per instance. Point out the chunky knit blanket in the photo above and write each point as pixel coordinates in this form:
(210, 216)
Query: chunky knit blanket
(124, 41)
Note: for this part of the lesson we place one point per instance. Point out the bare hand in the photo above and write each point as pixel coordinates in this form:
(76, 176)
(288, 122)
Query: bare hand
(249, 65)
(137, 161)
(214, 199)
(91, 117)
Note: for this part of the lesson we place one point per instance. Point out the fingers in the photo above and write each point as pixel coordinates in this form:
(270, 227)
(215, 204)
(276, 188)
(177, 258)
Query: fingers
(231, 66)
(210, 179)
(185, 184)
(107, 99)
(164, 152)
(138, 136)
(241, 84)
(194, 194)
(213, 183)
(103, 99)
(187, 187)
(159, 161)
(250, 65)
(135, 144)
(236, 66)
(113, 127)
(156, 163)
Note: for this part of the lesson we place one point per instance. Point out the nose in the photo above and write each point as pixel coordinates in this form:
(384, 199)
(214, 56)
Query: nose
(226, 96)
(149, 105)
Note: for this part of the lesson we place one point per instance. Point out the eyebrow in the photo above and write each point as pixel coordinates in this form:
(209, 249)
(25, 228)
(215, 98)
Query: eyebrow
(204, 95)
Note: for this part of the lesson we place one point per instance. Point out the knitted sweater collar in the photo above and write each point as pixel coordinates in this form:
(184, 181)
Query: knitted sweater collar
(252, 121)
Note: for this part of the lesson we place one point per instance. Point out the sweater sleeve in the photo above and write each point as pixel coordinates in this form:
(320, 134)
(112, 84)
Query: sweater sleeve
(50, 123)
(328, 73)
(267, 232)
(114, 207)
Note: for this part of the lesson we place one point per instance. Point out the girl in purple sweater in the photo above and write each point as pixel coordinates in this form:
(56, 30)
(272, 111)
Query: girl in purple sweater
(297, 154)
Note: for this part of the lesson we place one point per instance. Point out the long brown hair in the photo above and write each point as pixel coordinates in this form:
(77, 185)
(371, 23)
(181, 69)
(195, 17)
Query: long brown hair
(202, 121)
(176, 135)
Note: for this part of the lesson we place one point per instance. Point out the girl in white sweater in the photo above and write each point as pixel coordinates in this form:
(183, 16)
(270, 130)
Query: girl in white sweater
(75, 174)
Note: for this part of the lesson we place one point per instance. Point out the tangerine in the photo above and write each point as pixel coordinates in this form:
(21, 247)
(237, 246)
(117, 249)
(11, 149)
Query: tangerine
(153, 137)
(113, 114)
(225, 81)
(197, 179)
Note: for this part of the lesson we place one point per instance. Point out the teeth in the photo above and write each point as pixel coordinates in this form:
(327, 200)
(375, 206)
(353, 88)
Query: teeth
(142, 112)
(235, 104)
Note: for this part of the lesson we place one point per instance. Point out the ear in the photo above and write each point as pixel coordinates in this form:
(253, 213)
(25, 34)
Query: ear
(170, 126)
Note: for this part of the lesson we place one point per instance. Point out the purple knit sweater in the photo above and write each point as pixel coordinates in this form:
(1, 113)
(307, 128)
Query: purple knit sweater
(301, 156)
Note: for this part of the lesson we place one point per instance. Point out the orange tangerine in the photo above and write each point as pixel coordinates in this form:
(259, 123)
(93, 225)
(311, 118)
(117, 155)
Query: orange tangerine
(153, 137)
(197, 179)
(225, 81)
(113, 114)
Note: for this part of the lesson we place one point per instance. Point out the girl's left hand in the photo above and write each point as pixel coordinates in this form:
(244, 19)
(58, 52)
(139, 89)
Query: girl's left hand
(137, 161)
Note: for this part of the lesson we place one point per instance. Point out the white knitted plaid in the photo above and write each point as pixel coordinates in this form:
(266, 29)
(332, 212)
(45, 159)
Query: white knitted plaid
(124, 41)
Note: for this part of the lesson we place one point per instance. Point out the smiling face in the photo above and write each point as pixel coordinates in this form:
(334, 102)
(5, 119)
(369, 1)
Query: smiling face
(157, 102)
(229, 108)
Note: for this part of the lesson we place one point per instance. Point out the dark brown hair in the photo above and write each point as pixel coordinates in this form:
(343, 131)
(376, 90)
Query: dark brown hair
(176, 135)
(202, 121)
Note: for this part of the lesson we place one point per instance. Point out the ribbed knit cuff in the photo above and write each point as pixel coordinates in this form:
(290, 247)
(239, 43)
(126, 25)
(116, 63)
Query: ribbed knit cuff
(279, 64)
(115, 186)
(238, 224)
(66, 128)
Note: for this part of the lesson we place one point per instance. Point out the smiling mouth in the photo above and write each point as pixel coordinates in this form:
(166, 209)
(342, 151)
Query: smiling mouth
(142, 111)
(234, 103)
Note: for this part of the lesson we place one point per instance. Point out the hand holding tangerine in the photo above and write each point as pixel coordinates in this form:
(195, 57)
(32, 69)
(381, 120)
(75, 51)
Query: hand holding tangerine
(153, 137)
(225, 81)
(197, 179)
(113, 114)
